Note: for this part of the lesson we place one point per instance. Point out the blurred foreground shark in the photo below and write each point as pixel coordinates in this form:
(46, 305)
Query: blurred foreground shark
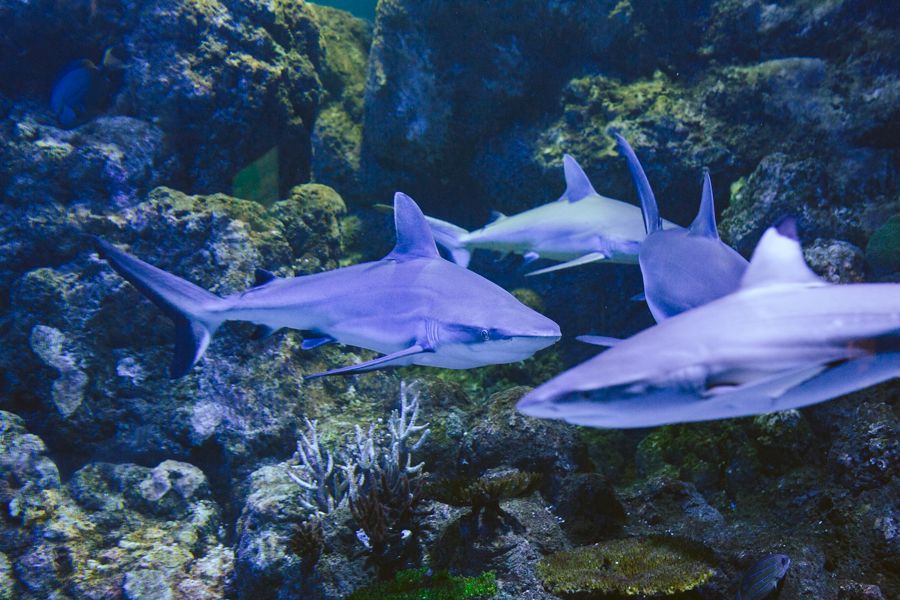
(412, 306)
(785, 339)
(682, 268)
(579, 228)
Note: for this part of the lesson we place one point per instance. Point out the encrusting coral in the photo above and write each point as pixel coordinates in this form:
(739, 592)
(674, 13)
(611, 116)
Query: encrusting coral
(639, 566)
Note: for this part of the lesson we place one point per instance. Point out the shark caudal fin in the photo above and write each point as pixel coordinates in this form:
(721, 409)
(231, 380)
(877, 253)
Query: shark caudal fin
(652, 220)
(191, 307)
(449, 237)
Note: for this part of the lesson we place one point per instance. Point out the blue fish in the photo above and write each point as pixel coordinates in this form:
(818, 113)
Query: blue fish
(82, 88)
(764, 577)
(413, 306)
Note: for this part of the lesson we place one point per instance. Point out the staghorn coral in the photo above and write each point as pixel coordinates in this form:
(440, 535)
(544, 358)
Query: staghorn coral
(376, 473)
(639, 566)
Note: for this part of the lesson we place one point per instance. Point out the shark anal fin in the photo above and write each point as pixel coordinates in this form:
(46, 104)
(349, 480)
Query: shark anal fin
(262, 332)
(310, 343)
(581, 260)
(375, 363)
(598, 340)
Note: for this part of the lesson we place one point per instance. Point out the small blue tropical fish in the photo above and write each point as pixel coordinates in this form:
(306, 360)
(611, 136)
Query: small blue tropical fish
(82, 88)
(785, 339)
(764, 577)
(682, 268)
(579, 228)
(413, 306)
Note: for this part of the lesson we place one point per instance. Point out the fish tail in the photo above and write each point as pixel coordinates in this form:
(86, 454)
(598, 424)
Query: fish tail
(449, 237)
(195, 311)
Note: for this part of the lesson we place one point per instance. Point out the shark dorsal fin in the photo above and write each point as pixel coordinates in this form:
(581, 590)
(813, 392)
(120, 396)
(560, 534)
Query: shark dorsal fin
(778, 258)
(414, 237)
(496, 215)
(704, 224)
(578, 185)
(649, 209)
(262, 277)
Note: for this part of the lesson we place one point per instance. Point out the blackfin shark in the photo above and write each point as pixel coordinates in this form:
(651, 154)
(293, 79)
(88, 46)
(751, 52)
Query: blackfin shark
(785, 339)
(682, 268)
(412, 306)
(580, 227)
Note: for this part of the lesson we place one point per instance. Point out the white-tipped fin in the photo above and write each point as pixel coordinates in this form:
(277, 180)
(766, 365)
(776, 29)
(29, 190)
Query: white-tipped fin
(704, 224)
(778, 258)
(578, 185)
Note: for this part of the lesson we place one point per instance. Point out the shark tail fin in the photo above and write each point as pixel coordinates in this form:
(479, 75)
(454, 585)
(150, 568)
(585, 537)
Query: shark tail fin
(649, 208)
(192, 308)
(449, 237)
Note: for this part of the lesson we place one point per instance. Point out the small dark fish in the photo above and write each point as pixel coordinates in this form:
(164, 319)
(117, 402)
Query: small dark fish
(82, 88)
(764, 577)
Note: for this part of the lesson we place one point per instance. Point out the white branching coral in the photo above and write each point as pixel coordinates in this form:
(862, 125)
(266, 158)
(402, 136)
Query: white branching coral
(329, 477)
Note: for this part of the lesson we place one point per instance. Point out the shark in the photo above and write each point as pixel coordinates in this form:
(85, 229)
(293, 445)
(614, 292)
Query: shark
(580, 227)
(681, 268)
(785, 339)
(412, 307)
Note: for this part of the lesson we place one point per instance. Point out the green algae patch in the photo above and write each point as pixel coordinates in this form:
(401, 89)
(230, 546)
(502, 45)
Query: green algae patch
(640, 566)
(883, 249)
(417, 584)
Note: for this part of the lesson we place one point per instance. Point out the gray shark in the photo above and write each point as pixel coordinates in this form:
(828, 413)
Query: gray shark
(785, 339)
(682, 268)
(412, 306)
(579, 228)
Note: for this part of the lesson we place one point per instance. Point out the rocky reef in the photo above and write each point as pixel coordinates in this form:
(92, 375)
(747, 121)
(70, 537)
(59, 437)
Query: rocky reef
(249, 135)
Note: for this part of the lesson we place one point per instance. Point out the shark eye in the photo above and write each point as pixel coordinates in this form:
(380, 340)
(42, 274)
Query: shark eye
(485, 335)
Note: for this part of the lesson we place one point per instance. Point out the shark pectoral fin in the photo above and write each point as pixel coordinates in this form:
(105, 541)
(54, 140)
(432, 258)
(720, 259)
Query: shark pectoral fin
(642, 297)
(375, 363)
(581, 260)
(770, 388)
(310, 343)
(598, 340)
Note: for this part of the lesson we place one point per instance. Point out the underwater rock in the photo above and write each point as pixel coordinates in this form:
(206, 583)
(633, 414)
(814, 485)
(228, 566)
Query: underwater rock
(836, 261)
(227, 80)
(103, 535)
(510, 549)
(337, 134)
(588, 507)
(504, 437)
